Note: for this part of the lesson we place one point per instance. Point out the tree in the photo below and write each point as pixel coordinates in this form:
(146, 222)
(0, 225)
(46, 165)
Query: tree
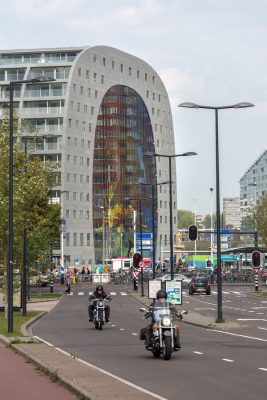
(260, 218)
(32, 209)
(185, 218)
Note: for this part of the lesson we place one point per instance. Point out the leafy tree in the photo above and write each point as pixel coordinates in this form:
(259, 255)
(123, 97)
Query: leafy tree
(185, 218)
(32, 210)
(260, 218)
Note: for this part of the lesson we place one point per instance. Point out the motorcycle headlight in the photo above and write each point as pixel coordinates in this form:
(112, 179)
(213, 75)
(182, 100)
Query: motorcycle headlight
(166, 321)
(100, 304)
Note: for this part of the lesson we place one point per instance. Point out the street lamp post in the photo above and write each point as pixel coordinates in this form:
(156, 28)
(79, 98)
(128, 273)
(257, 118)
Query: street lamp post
(63, 228)
(12, 84)
(152, 185)
(218, 224)
(189, 153)
(211, 237)
(141, 238)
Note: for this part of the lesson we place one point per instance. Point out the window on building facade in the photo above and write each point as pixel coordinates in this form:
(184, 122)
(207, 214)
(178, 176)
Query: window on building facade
(74, 239)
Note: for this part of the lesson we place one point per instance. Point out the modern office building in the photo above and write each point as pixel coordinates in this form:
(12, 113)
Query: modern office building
(231, 212)
(253, 184)
(104, 111)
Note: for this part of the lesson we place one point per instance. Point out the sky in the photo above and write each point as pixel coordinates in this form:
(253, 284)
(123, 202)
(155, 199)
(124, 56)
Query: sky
(209, 52)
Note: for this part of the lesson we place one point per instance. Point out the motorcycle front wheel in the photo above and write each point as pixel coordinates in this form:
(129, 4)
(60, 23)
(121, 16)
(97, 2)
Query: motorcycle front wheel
(167, 348)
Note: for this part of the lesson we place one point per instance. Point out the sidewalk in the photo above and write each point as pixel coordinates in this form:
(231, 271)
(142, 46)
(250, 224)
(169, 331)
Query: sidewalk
(83, 379)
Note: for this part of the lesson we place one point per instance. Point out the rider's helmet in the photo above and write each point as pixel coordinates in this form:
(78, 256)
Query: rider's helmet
(161, 294)
(99, 288)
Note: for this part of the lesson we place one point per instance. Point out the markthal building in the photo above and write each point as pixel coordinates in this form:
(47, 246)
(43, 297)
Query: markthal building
(99, 115)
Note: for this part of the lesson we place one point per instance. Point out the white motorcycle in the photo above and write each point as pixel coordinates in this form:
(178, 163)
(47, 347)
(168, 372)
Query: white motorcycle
(165, 333)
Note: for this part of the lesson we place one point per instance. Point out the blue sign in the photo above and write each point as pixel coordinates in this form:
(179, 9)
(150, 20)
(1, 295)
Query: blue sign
(144, 235)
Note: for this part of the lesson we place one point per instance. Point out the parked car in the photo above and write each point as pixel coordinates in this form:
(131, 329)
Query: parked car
(199, 284)
(177, 277)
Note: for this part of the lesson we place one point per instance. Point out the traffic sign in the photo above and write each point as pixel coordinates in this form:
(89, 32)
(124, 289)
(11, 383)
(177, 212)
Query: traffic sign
(141, 264)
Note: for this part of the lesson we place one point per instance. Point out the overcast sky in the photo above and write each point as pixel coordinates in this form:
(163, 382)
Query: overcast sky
(211, 52)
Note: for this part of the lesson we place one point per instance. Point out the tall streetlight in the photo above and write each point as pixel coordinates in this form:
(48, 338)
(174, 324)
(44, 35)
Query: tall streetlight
(189, 153)
(12, 85)
(218, 224)
(152, 185)
(211, 237)
(63, 228)
(141, 237)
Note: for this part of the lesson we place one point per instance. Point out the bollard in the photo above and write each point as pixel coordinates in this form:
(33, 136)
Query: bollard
(52, 284)
(256, 282)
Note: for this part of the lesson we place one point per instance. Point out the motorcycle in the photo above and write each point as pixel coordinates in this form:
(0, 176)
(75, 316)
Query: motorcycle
(165, 335)
(99, 316)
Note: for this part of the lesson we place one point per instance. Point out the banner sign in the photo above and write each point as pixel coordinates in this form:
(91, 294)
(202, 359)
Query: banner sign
(174, 292)
(153, 287)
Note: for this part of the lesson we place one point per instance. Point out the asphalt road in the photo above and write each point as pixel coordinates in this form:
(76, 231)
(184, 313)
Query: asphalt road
(211, 364)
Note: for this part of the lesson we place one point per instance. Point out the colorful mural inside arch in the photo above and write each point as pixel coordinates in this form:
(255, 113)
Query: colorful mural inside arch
(123, 136)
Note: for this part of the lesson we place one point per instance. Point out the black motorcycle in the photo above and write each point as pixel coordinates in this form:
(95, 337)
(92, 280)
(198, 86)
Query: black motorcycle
(165, 338)
(99, 316)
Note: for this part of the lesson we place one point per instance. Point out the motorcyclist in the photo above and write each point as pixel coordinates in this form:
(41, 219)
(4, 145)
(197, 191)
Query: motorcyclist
(98, 294)
(157, 305)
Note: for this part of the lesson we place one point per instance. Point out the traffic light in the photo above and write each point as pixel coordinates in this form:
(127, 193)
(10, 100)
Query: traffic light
(256, 259)
(192, 232)
(136, 260)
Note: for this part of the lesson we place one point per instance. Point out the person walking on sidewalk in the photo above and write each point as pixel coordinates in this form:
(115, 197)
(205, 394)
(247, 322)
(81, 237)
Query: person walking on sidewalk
(68, 285)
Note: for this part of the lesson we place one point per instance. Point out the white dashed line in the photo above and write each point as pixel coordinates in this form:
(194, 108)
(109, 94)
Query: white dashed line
(80, 293)
(264, 329)
(227, 360)
(70, 294)
(113, 293)
(90, 293)
(197, 352)
(135, 334)
(122, 329)
(123, 294)
(263, 369)
(113, 325)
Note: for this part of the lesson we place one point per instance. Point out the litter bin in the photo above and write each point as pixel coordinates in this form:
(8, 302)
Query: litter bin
(73, 280)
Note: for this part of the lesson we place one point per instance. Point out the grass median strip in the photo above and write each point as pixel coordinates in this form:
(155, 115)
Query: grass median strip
(18, 321)
(45, 296)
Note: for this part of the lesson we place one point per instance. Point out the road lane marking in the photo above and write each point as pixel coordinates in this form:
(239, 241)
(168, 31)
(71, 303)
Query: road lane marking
(80, 293)
(135, 334)
(122, 329)
(227, 360)
(260, 313)
(264, 329)
(156, 396)
(243, 336)
(204, 308)
(123, 293)
(113, 293)
(225, 292)
(197, 352)
(113, 325)
(90, 293)
(251, 319)
(70, 294)
(236, 292)
(263, 369)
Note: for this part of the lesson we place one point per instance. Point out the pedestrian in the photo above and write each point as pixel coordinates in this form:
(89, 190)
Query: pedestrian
(68, 285)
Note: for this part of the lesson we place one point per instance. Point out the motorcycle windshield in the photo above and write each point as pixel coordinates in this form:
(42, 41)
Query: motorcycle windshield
(159, 313)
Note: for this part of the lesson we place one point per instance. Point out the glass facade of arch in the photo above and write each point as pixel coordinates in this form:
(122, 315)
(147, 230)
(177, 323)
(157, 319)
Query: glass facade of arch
(123, 135)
